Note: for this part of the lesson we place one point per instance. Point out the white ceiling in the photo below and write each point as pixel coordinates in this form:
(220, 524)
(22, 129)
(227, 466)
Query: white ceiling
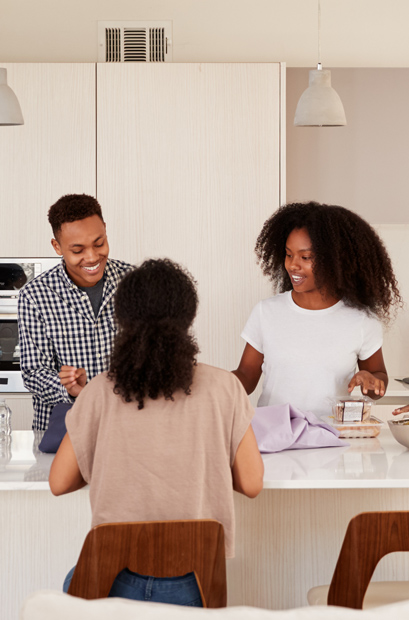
(355, 33)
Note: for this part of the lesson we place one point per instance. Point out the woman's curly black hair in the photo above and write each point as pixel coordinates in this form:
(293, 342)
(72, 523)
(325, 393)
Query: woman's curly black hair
(350, 260)
(154, 354)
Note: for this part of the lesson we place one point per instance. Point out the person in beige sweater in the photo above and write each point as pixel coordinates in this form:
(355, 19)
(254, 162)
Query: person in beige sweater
(159, 436)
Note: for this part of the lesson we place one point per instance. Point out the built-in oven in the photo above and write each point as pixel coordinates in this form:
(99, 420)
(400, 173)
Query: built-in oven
(14, 274)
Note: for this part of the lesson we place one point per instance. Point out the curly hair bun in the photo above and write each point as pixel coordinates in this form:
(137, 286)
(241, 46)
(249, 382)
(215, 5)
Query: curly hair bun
(154, 353)
(157, 290)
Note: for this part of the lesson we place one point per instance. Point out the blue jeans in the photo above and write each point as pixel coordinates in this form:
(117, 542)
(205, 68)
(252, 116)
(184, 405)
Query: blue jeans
(173, 590)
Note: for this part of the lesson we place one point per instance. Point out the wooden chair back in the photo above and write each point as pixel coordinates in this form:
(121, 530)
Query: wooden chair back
(155, 548)
(369, 537)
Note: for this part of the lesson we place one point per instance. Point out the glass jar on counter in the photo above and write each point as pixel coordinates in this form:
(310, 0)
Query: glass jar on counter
(5, 419)
(5, 451)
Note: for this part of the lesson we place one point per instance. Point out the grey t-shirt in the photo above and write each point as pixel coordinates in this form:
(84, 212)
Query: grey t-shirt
(95, 294)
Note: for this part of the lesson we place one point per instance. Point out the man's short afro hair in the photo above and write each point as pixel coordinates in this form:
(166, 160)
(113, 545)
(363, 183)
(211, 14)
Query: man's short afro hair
(71, 208)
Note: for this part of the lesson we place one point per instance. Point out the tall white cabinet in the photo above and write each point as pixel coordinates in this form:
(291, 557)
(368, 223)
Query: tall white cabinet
(190, 165)
(52, 154)
(187, 161)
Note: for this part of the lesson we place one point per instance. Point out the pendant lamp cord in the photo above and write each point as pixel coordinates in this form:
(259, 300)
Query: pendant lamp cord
(319, 35)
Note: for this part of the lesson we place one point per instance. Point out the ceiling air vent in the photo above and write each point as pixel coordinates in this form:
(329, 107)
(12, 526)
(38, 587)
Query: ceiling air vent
(134, 41)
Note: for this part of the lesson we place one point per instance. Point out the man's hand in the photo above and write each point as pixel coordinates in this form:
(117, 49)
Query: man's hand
(73, 379)
(368, 383)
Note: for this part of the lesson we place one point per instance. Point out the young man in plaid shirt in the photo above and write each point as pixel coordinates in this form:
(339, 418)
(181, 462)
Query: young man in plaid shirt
(65, 315)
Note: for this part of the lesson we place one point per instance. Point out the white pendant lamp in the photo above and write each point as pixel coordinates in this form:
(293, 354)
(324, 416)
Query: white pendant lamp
(10, 111)
(319, 105)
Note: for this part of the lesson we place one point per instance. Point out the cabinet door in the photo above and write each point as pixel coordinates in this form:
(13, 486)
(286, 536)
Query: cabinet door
(189, 167)
(52, 154)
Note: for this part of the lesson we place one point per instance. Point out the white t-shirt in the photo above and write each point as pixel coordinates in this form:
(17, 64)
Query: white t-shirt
(309, 355)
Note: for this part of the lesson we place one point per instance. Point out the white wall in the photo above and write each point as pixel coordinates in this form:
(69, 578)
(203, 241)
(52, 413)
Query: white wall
(364, 165)
(396, 337)
(355, 33)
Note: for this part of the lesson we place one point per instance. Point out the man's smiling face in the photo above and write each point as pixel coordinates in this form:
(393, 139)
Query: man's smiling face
(84, 247)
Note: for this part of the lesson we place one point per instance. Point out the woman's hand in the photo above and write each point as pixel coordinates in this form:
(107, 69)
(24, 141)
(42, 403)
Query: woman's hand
(372, 376)
(73, 379)
(368, 383)
(400, 410)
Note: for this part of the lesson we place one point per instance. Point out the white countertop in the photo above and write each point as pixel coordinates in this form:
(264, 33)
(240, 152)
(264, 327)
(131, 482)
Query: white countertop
(380, 463)
(22, 466)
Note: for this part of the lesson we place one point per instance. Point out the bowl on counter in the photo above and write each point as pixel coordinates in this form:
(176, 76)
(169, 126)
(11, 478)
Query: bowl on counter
(400, 430)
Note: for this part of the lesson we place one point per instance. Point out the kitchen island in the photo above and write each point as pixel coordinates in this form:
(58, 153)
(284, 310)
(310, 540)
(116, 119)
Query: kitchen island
(287, 539)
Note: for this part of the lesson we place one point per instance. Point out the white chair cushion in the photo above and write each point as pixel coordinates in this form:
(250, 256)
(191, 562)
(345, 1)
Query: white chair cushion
(378, 593)
(50, 605)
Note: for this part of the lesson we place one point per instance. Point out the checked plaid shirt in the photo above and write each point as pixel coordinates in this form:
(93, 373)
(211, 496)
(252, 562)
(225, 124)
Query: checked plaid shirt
(57, 327)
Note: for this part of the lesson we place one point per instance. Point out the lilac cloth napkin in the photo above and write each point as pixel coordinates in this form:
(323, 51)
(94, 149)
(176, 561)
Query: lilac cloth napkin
(284, 427)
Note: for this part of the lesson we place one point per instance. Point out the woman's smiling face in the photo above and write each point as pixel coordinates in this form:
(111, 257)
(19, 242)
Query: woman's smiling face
(299, 261)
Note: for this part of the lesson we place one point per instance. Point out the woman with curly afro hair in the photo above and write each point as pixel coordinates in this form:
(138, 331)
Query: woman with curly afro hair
(159, 437)
(335, 286)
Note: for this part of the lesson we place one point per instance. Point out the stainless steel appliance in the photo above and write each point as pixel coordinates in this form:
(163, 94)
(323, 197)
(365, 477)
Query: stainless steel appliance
(14, 274)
